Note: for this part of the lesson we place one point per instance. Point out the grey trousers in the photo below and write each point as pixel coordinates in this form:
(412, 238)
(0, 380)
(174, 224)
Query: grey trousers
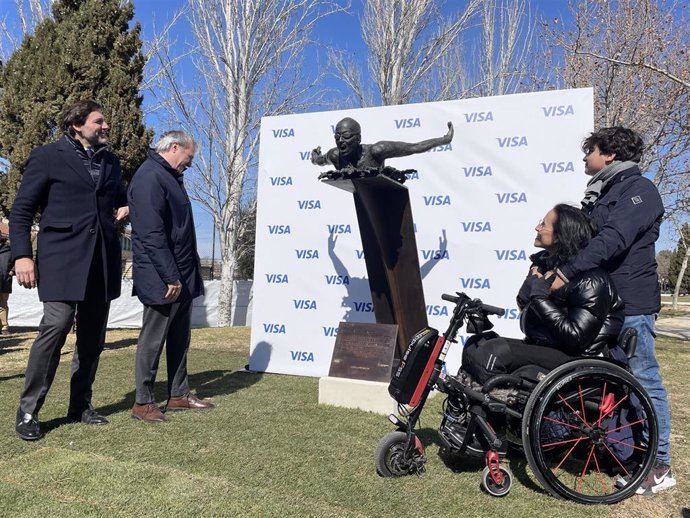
(92, 318)
(169, 325)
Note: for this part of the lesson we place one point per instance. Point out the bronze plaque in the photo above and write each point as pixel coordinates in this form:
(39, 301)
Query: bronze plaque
(364, 351)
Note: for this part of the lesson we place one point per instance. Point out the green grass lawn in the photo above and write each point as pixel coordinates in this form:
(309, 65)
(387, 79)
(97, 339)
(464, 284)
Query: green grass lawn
(268, 449)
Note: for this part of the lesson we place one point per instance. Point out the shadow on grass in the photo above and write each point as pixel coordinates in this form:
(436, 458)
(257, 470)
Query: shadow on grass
(205, 384)
(515, 460)
(121, 344)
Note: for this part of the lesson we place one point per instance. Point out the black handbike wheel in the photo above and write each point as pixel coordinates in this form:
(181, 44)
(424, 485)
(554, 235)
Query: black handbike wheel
(394, 458)
(590, 432)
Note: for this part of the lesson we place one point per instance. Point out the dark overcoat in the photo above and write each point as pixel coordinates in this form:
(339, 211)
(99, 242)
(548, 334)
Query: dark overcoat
(75, 212)
(163, 237)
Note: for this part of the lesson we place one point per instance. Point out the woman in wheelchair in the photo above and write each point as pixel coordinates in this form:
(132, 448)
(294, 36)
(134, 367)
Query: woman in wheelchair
(581, 319)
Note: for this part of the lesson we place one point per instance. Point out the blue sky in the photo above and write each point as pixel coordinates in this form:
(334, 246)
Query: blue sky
(341, 30)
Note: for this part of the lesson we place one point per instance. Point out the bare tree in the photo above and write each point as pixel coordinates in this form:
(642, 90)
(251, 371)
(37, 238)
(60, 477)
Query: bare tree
(635, 55)
(498, 61)
(247, 65)
(28, 17)
(406, 39)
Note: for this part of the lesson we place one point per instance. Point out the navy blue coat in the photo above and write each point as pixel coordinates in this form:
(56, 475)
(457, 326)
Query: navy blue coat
(628, 216)
(163, 236)
(74, 212)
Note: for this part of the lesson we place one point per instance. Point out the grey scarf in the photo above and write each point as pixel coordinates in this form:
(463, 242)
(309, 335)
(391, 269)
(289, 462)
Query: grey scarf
(602, 180)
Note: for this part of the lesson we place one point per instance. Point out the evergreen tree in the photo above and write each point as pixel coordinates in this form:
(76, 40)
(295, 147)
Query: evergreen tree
(676, 262)
(85, 51)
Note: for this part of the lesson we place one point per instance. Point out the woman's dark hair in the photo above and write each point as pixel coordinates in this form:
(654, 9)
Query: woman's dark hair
(77, 113)
(624, 142)
(572, 231)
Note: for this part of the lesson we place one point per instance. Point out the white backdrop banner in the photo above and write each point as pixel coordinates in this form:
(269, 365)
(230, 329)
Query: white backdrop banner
(475, 204)
(26, 310)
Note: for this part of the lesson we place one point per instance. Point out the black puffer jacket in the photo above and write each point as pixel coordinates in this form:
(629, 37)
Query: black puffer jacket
(582, 318)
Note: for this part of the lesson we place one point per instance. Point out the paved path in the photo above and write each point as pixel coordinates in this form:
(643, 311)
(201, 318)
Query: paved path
(677, 327)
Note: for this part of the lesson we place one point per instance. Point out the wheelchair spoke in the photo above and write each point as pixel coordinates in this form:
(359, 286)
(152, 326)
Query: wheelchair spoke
(626, 426)
(565, 457)
(575, 412)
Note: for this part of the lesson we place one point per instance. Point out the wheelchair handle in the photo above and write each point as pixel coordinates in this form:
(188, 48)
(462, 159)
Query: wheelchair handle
(491, 310)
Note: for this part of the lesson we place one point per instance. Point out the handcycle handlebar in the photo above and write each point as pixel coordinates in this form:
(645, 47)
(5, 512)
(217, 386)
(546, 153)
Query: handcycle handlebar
(490, 310)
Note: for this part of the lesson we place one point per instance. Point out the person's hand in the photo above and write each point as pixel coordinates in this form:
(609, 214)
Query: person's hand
(316, 156)
(121, 214)
(535, 271)
(174, 291)
(557, 283)
(449, 136)
(25, 271)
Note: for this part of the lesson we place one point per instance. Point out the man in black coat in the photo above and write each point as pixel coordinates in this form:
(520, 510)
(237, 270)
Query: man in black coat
(76, 186)
(166, 272)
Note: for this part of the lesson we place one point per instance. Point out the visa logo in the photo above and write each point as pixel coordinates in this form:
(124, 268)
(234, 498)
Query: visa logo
(281, 180)
(558, 167)
(510, 314)
(360, 254)
(511, 197)
(558, 111)
(478, 117)
(305, 155)
(511, 141)
(477, 170)
(437, 310)
(329, 331)
(363, 307)
(307, 253)
(435, 254)
(283, 132)
(441, 149)
(276, 278)
(302, 356)
(309, 204)
(339, 229)
(279, 229)
(276, 329)
(511, 255)
(304, 303)
(463, 340)
(408, 123)
(337, 279)
(436, 200)
(476, 226)
(412, 176)
(475, 283)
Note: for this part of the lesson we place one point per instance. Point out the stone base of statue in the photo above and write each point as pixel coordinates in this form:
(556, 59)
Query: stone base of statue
(385, 223)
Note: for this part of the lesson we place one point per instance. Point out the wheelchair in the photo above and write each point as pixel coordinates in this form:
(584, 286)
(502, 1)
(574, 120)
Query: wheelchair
(587, 428)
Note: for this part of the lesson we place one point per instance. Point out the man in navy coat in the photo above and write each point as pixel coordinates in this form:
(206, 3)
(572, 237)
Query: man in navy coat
(76, 186)
(166, 272)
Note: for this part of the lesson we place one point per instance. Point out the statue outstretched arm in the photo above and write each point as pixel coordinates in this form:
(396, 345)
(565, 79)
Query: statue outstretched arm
(389, 149)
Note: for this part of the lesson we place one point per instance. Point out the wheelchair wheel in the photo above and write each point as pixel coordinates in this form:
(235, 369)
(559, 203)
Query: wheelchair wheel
(490, 486)
(393, 458)
(590, 432)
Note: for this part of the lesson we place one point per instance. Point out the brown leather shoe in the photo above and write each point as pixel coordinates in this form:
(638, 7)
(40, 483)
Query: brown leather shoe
(149, 413)
(188, 402)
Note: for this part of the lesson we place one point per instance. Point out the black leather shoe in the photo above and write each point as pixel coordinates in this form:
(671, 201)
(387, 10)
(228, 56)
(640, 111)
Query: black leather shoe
(27, 427)
(88, 416)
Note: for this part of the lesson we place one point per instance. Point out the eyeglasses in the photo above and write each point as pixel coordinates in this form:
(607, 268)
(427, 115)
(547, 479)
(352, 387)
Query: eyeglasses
(346, 136)
(542, 225)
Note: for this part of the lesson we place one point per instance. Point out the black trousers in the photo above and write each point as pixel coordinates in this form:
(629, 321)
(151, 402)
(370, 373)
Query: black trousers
(169, 325)
(56, 323)
(487, 355)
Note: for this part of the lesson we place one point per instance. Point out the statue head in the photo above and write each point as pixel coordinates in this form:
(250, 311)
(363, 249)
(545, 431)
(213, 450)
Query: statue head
(348, 136)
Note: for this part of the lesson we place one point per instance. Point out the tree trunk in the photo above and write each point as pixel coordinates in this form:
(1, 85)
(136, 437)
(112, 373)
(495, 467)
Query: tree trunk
(679, 280)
